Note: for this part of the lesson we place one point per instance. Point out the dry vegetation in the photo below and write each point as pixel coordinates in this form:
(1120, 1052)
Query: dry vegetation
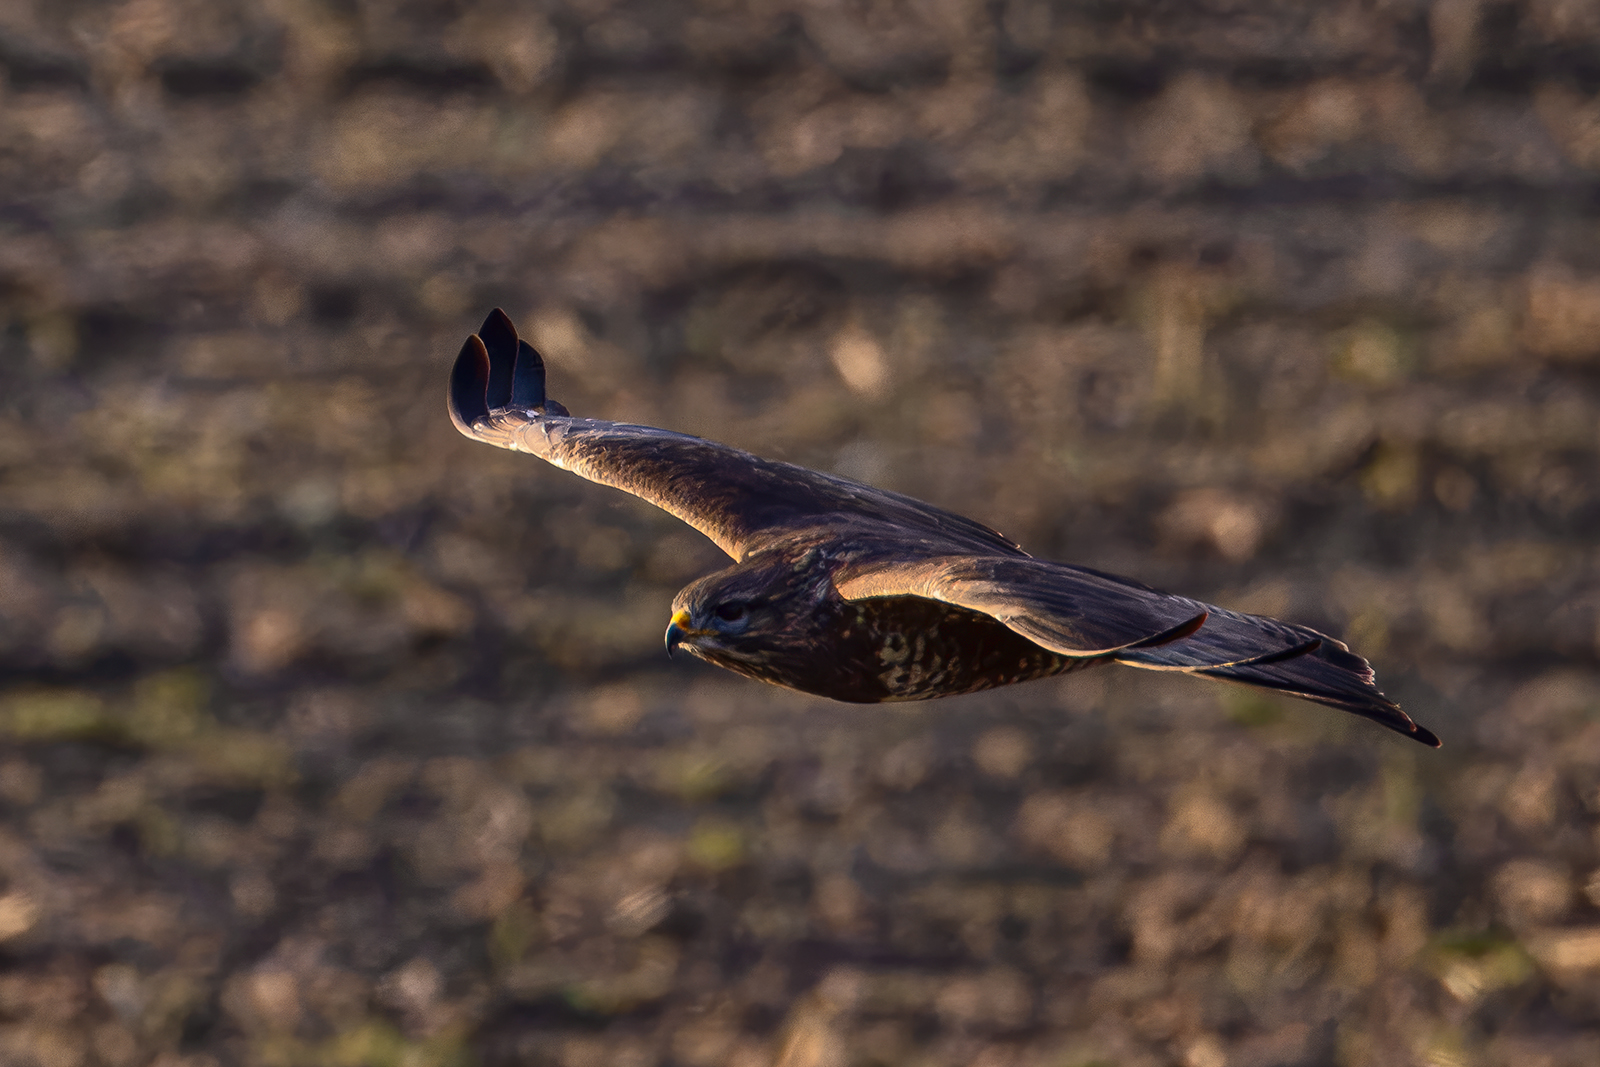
(331, 739)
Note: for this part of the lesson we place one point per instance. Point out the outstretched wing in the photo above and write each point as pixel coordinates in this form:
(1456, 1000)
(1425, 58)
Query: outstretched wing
(1084, 613)
(739, 500)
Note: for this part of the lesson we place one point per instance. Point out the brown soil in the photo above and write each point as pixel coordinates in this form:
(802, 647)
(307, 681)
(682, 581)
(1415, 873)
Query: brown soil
(331, 738)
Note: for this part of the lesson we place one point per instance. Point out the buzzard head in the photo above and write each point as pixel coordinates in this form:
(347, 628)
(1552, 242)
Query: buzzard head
(758, 617)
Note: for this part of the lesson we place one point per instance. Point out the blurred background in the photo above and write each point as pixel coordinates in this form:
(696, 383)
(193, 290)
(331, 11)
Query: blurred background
(331, 738)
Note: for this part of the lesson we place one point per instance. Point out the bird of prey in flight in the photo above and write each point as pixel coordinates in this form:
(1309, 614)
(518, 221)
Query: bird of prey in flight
(864, 595)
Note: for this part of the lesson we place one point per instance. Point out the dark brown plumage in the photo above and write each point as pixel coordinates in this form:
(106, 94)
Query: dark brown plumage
(863, 595)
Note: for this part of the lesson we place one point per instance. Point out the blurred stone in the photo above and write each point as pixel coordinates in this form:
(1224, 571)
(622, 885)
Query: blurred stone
(495, 890)
(1562, 314)
(20, 782)
(999, 998)
(613, 709)
(266, 999)
(253, 894)
(860, 361)
(77, 632)
(520, 46)
(1576, 949)
(1003, 751)
(811, 1040)
(1455, 618)
(1529, 891)
(1067, 827)
(18, 914)
(1531, 799)
(115, 1045)
(413, 987)
(907, 764)
(123, 989)
(1234, 524)
(1318, 118)
(840, 904)
(267, 640)
(1197, 126)
(1455, 488)
(1203, 823)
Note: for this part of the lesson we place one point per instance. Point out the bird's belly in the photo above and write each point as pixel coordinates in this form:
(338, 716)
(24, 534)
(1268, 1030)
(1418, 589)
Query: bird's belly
(910, 648)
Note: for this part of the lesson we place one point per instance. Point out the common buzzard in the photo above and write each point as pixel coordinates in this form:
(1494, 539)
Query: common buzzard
(864, 595)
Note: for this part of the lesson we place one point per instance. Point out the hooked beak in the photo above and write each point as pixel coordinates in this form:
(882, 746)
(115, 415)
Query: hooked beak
(677, 629)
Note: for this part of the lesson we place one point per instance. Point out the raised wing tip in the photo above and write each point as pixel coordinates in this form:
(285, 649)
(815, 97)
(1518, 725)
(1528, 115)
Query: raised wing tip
(496, 370)
(469, 384)
(514, 377)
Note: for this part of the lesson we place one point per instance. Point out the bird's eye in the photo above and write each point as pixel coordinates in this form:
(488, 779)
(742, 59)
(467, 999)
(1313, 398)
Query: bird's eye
(732, 611)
